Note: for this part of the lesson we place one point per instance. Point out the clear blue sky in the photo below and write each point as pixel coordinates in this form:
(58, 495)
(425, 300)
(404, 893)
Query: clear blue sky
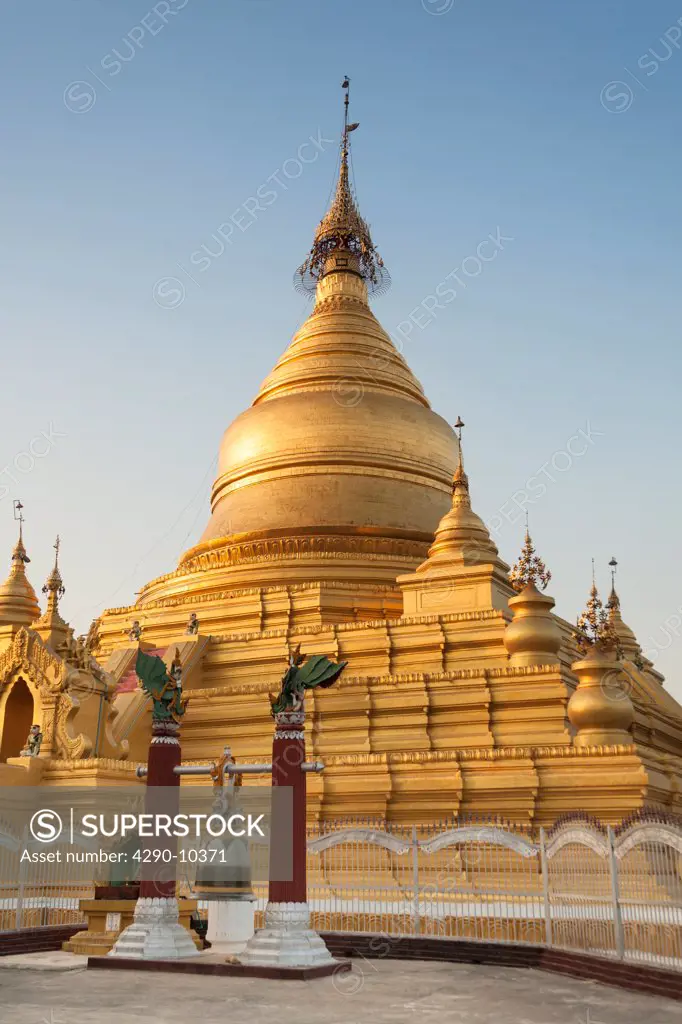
(476, 116)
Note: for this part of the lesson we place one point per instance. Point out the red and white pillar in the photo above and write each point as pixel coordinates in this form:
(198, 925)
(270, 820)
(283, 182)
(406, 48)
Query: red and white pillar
(287, 939)
(156, 932)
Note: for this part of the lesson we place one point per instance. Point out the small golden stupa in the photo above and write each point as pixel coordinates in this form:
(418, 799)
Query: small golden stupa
(18, 602)
(342, 521)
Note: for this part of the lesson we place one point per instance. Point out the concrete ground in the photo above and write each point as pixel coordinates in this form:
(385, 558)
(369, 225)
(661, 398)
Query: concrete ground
(54, 990)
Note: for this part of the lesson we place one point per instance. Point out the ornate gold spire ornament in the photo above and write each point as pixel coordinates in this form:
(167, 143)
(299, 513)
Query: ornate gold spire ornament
(19, 555)
(595, 625)
(533, 636)
(529, 568)
(600, 709)
(51, 626)
(613, 603)
(54, 586)
(461, 536)
(343, 240)
(18, 602)
(628, 642)
(460, 481)
(463, 561)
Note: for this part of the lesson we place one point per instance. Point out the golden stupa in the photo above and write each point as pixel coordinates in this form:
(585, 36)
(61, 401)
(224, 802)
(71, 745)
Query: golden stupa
(342, 520)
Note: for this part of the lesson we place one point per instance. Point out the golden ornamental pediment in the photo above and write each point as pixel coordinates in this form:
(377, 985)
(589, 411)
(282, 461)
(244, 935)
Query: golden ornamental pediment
(28, 654)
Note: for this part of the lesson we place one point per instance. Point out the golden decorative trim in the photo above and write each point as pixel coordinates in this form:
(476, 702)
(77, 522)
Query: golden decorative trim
(218, 597)
(82, 764)
(334, 302)
(368, 624)
(472, 754)
(384, 679)
(27, 653)
(65, 745)
(269, 548)
(375, 462)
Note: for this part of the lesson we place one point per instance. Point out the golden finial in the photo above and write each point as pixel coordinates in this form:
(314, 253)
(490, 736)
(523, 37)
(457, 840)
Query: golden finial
(529, 570)
(595, 625)
(19, 555)
(54, 586)
(613, 603)
(343, 239)
(460, 481)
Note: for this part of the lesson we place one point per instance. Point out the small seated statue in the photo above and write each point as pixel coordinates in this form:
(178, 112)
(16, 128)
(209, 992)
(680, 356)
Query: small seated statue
(33, 741)
(135, 632)
(192, 625)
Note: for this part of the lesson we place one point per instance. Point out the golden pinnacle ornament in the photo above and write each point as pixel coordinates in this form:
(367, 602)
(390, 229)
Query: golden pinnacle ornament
(529, 570)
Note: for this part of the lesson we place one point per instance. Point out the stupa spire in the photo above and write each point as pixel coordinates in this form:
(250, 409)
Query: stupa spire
(463, 570)
(54, 586)
(461, 535)
(19, 556)
(613, 602)
(18, 602)
(460, 481)
(51, 626)
(343, 241)
(628, 641)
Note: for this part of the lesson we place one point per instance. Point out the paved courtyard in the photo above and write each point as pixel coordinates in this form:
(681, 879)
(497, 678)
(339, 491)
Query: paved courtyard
(376, 992)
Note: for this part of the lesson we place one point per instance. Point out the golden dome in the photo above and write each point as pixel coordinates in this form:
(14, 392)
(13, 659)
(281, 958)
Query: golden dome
(18, 602)
(339, 444)
(339, 436)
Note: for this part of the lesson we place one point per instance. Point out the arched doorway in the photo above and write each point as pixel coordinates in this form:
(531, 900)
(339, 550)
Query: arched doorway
(19, 717)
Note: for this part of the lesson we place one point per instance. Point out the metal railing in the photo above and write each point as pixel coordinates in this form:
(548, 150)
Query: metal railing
(579, 886)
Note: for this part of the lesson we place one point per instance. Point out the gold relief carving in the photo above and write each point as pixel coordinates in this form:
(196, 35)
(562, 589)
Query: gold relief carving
(355, 760)
(228, 691)
(476, 754)
(276, 548)
(48, 728)
(598, 751)
(360, 682)
(331, 303)
(371, 625)
(424, 757)
(496, 754)
(527, 670)
(219, 597)
(65, 745)
(28, 654)
(59, 764)
(233, 595)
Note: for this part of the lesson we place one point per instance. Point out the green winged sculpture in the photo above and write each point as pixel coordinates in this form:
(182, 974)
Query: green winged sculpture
(164, 686)
(304, 674)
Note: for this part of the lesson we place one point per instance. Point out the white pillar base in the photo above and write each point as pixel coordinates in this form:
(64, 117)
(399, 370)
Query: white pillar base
(287, 939)
(230, 925)
(156, 933)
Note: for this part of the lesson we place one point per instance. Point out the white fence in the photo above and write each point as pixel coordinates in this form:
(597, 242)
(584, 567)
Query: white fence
(47, 895)
(577, 887)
